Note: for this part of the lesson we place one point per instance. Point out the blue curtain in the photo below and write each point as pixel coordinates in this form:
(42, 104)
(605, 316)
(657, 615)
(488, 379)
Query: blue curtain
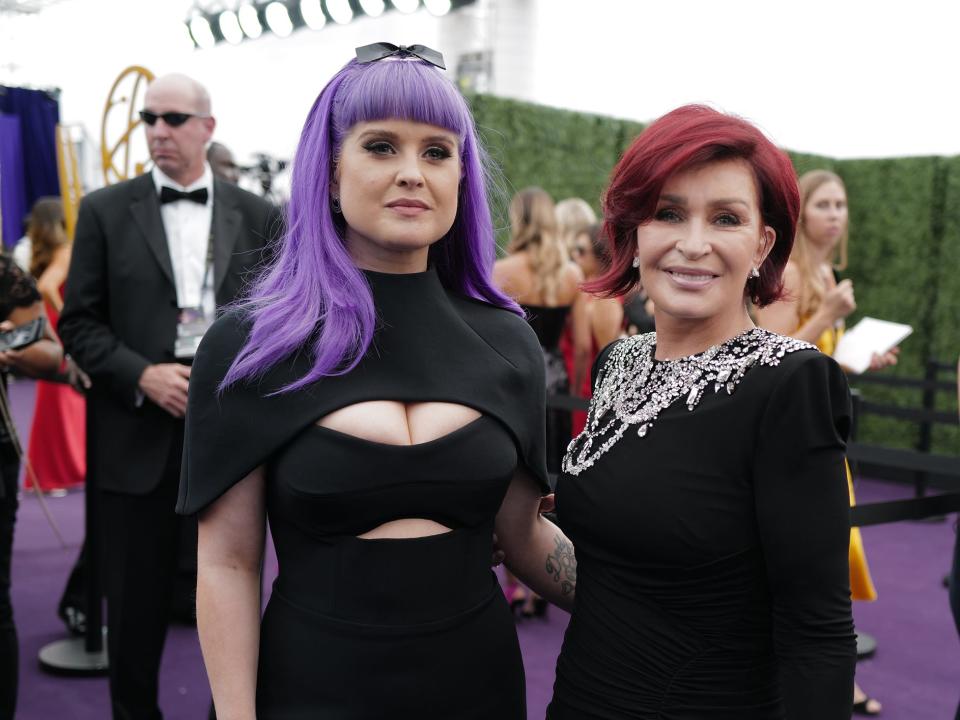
(13, 195)
(37, 113)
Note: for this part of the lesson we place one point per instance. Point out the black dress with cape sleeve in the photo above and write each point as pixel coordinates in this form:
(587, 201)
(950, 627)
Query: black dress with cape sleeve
(430, 345)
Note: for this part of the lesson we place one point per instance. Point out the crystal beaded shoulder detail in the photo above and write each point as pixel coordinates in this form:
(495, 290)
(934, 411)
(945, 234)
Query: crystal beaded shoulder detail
(632, 388)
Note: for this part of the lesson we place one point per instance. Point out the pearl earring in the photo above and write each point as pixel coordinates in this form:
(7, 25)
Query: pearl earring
(754, 272)
(636, 261)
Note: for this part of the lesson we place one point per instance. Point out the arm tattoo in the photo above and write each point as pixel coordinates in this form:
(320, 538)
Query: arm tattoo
(562, 565)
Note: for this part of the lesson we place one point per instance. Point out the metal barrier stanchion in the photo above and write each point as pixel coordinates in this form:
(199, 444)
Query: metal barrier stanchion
(84, 656)
(866, 643)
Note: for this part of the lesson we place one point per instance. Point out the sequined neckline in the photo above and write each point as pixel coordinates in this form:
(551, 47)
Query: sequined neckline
(633, 388)
(693, 357)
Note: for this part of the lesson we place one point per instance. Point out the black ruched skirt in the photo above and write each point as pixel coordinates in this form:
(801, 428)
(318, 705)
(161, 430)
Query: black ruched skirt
(433, 652)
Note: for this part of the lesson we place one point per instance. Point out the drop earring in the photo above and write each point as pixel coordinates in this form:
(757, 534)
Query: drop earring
(636, 261)
(754, 273)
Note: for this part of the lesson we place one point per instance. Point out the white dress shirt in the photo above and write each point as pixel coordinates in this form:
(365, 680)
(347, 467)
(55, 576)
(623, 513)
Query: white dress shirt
(188, 226)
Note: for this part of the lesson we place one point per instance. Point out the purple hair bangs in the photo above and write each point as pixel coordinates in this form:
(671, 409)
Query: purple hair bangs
(312, 297)
(399, 90)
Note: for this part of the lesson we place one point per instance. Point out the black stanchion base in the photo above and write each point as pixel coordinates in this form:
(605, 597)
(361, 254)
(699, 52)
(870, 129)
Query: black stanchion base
(70, 657)
(866, 646)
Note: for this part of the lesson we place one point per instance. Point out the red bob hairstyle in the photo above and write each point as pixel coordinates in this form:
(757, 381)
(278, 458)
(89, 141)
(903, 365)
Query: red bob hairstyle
(690, 136)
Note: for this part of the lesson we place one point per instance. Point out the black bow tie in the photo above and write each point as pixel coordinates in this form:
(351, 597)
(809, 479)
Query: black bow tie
(169, 195)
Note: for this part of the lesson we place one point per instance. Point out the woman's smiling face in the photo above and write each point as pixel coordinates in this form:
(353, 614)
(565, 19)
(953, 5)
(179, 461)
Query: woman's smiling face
(707, 234)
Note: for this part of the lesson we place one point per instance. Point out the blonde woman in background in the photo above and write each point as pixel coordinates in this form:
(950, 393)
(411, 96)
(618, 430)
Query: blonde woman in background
(813, 308)
(816, 304)
(57, 449)
(540, 276)
(573, 216)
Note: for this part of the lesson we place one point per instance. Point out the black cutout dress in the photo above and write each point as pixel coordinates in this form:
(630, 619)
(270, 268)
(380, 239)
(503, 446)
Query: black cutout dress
(548, 323)
(385, 628)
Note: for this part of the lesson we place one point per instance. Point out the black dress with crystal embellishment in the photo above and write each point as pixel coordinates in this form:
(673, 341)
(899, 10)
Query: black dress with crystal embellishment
(712, 577)
(359, 628)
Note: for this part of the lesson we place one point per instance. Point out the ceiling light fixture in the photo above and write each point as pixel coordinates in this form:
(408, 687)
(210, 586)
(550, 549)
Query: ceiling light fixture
(230, 27)
(406, 6)
(438, 8)
(278, 19)
(312, 13)
(201, 32)
(372, 8)
(250, 21)
(340, 11)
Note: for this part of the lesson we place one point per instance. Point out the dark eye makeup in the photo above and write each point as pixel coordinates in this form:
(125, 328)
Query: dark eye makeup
(438, 152)
(668, 214)
(383, 147)
(379, 147)
(728, 219)
(674, 215)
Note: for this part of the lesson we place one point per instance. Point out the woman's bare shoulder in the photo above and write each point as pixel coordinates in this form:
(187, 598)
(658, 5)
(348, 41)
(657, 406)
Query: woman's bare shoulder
(512, 275)
(570, 279)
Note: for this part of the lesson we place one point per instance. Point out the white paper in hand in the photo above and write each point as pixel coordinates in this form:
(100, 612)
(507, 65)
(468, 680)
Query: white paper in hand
(869, 336)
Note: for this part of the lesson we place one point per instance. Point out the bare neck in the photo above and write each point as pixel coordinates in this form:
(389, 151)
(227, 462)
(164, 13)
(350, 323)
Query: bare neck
(679, 337)
(820, 254)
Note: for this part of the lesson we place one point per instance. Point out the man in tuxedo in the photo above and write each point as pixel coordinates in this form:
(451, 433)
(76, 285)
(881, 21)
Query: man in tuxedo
(152, 259)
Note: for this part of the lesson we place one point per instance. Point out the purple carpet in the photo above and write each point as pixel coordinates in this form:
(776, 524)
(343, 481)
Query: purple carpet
(915, 673)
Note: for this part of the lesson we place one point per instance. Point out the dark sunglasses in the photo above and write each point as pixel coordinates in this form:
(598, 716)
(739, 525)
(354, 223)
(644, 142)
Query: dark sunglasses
(173, 119)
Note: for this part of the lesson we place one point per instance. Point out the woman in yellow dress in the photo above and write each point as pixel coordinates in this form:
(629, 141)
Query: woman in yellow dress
(813, 308)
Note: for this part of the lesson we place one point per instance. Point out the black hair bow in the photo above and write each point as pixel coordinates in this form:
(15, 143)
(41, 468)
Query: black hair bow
(378, 51)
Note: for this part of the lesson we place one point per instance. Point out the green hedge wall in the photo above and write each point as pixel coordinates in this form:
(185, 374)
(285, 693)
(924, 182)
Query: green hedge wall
(945, 315)
(891, 253)
(568, 154)
(904, 230)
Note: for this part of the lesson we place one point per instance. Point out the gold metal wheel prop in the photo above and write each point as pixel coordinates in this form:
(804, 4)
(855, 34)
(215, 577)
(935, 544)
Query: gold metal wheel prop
(120, 119)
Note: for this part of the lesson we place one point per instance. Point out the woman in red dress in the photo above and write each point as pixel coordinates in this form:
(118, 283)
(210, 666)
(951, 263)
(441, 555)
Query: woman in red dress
(57, 450)
(601, 318)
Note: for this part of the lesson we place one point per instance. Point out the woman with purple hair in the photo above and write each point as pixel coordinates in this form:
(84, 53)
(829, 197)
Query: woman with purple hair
(382, 402)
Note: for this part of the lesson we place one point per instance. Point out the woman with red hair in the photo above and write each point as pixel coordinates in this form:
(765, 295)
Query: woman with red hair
(706, 497)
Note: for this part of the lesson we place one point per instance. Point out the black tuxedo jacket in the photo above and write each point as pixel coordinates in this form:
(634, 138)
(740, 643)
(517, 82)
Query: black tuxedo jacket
(120, 314)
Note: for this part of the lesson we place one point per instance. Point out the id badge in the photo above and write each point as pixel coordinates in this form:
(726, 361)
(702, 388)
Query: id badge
(192, 323)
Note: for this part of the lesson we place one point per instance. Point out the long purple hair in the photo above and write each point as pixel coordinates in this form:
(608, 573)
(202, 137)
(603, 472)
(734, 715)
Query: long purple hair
(312, 297)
